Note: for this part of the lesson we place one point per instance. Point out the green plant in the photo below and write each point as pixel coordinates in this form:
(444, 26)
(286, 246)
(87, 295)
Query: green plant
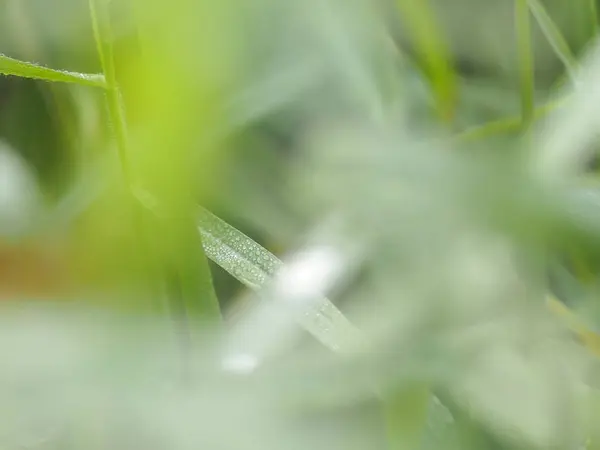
(422, 237)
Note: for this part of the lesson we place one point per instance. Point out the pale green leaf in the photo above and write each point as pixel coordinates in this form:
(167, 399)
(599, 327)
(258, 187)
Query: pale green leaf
(254, 266)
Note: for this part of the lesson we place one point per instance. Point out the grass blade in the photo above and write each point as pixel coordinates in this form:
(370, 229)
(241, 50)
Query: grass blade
(182, 261)
(254, 266)
(555, 38)
(11, 66)
(419, 19)
(192, 296)
(594, 17)
(575, 324)
(406, 414)
(525, 59)
(104, 44)
(506, 125)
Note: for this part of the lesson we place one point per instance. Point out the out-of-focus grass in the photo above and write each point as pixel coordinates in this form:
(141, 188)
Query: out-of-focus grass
(437, 260)
(526, 67)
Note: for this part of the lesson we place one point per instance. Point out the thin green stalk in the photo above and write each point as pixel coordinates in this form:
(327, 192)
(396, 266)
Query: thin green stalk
(555, 38)
(11, 66)
(525, 61)
(506, 125)
(594, 17)
(406, 412)
(104, 43)
(180, 261)
(103, 37)
(419, 18)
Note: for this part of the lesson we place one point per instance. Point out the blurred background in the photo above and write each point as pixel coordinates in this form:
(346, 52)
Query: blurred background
(429, 166)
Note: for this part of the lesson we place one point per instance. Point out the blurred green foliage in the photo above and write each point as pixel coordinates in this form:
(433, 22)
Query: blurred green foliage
(423, 162)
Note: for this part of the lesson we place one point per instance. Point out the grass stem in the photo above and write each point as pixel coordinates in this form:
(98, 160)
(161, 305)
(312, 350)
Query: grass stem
(525, 61)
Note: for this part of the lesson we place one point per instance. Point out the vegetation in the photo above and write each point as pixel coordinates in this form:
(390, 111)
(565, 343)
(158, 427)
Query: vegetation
(425, 173)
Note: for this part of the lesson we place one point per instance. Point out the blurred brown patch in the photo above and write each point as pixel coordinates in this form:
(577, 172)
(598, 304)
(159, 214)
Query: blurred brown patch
(33, 271)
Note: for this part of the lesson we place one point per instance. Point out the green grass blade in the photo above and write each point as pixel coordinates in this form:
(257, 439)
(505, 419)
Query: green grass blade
(103, 36)
(192, 297)
(594, 17)
(525, 61)
(11, 66)
(419, 19)
(181, 260)
(506, 125)
(555, 38)
(254, 266)
(406, 414)
(243, 258)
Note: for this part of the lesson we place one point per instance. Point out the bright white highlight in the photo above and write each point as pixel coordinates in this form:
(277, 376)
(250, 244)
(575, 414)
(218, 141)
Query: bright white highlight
(240, 363)
(309, 274)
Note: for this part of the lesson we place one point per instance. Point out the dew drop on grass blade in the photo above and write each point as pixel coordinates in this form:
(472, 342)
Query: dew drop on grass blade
(254, 266)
